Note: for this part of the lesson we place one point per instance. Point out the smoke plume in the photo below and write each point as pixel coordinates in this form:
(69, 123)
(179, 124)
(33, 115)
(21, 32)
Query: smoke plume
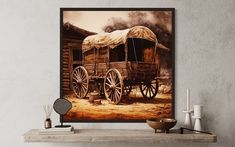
(159, 22)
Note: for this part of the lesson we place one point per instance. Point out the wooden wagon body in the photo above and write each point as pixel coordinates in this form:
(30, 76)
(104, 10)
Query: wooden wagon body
(116, 61)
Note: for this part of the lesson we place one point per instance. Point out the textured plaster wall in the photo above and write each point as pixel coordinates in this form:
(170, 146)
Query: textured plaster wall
(29, 61)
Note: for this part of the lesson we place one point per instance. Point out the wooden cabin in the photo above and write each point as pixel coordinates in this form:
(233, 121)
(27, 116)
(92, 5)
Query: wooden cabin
(71, 54)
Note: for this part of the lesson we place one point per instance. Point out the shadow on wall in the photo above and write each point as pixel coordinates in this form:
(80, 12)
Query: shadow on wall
(208, 117)
(216, 119)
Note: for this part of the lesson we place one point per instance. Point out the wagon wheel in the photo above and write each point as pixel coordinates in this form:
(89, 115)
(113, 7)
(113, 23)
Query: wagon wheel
(113, 86)
(149, 89)
(80, 81)
(127, 90)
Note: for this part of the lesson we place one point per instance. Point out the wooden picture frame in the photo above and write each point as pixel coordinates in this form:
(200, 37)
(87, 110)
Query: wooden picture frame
(131, 62)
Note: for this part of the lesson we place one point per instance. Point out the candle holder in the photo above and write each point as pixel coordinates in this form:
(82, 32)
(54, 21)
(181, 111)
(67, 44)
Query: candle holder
(188, 118)
(198, 117)
(188, 112)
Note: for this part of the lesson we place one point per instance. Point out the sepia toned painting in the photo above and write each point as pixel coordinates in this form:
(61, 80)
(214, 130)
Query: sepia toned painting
(117, 65)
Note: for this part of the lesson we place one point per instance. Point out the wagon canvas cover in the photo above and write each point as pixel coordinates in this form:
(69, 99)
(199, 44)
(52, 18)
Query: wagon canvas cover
(117, 37)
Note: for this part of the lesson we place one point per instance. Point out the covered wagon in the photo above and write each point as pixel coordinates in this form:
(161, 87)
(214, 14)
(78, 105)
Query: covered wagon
(116, 62)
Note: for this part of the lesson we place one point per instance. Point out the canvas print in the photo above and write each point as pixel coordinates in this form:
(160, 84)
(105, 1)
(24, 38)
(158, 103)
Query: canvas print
(117, 65)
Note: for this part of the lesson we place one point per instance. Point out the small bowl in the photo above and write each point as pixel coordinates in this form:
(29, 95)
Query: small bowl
(169, 123)
(161, 124)
(156, 124)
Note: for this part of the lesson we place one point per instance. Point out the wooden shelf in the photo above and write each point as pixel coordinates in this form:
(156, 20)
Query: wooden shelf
(142, 136)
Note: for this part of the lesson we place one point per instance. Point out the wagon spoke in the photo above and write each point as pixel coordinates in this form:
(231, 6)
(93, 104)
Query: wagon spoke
(85, 83)
(77, 74)
(76, 88)
(112, 78)
(146, 92)
(75, 78)
(109, 75)
(150, 92)
(108, 85)
(107, 88)
(79, 93)
(117, 84)
(116, 80)
(85, 88)
(108, 80)
(119, 88)
(83, 79)
(119, 92)
(82, 75)
(144, 87)
(82, 89)
(112, 74)
(153, 87)
(111, 95)
(116, 96)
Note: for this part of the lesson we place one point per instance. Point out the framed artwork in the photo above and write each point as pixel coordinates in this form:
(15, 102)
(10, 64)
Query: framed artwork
(117, 64)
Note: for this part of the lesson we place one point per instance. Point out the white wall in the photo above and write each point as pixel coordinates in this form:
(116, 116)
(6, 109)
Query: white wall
(29, 61)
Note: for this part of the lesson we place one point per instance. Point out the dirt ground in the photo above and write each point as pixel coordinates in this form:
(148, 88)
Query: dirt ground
(132, 108)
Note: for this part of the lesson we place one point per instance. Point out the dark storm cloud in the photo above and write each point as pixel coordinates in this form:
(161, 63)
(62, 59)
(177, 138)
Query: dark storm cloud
(159, 22)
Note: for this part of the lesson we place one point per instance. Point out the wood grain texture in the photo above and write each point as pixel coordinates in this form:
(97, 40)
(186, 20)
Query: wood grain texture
(107, 135)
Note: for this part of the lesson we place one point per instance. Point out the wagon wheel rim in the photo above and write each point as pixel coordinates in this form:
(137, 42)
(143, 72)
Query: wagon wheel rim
(149, 89)
(80, 82)
(113, 86)
(127, 90)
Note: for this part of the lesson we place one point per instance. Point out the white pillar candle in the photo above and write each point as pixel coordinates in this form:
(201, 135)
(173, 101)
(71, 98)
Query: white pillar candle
(188, 99)
(197, 111)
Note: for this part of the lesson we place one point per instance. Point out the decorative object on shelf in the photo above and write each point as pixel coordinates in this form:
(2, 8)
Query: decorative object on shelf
(47, 110)
(57, 130)
(198, 116)
(62, 106)
(162, 125)
(47, 123)
(188, 112)
(127, 50)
